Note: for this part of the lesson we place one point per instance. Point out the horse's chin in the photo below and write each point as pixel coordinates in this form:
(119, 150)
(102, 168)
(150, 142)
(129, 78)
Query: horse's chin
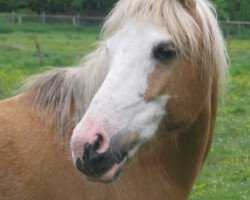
(111, 175)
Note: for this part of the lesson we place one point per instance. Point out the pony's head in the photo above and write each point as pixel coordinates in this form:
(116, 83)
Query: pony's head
(162, 56)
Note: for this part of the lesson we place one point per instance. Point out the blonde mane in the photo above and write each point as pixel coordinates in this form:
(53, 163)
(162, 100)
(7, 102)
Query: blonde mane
(195, 32)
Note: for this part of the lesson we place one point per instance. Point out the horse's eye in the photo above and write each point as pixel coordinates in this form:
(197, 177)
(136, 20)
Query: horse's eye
(164, 52)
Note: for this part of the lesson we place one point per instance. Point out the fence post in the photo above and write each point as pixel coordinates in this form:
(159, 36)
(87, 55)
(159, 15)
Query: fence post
(74, 21)
(38, 50)
(239, 30)
(43, 17)
(13, 15)
(20, 20)
(78, 17)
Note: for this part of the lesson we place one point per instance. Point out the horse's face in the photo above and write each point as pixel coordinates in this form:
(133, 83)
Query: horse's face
(147, 79)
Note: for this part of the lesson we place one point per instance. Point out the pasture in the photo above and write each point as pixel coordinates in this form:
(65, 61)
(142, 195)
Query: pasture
(226, 174)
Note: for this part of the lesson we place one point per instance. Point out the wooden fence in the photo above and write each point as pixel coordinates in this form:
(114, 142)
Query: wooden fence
(239, 25)
(78, 20)
(75, 20)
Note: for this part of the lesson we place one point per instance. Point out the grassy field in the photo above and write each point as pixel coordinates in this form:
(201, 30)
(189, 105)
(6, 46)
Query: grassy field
(61, 45)
(226, 175)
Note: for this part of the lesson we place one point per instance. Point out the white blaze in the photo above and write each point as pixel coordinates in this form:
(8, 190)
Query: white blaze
(119, 104)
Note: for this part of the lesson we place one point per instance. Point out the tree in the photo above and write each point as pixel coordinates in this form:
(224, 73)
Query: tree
(233, 9)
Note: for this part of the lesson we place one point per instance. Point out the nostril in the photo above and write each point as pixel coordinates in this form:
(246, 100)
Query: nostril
(87, 149)
(99, 146)
(90, 152)
(99, 142)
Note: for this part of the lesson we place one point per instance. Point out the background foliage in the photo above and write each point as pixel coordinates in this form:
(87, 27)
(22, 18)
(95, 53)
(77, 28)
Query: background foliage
(57, 6)
(232, 9)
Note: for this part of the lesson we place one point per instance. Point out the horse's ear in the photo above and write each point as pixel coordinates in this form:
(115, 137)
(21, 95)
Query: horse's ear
(190, 4)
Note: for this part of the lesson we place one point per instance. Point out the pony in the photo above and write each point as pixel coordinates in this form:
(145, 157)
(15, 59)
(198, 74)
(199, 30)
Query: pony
(135, 120)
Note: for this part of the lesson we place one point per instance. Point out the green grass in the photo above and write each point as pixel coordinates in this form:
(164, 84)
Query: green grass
(61, 45)
(226, 174)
